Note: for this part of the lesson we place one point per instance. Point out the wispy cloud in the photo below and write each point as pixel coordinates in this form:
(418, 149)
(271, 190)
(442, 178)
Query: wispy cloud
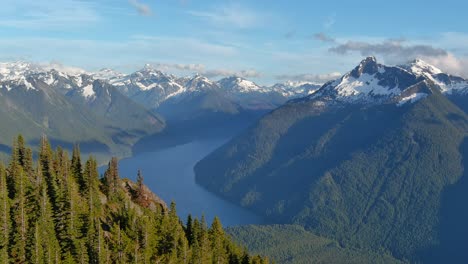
(401, 50)
(51, 15)
(185, 45)
(318, 78)
(290, 34)
(225, 73)
(95, 54)
(232, 15)
(134, 52)
(394, 48)
(170, 67)
(59, 66)
(324, 37)
(141, 8)
(202, 69)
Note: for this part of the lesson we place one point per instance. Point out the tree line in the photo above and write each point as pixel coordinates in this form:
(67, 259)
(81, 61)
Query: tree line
(58, 209)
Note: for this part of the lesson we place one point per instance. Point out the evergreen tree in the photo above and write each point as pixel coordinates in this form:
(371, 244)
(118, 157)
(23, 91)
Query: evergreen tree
(21, 151)
(95, 240)
(48, 242)
(111, 178)
(204, 242)
(4, 216)
(140, 195)
(189, 230)
(76, 168)
(217, 242)
(48, 214)
(245, 259)
(19, 216)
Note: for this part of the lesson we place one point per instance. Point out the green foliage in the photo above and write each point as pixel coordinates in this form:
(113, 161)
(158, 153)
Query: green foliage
(56, 213)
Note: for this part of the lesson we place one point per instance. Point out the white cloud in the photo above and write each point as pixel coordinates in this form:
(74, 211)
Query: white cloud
(170, 67)
(399, 51)
(129, 53)
(226, 73)
(56, 65)
(202, 69)
(450, 64)
(318, 78)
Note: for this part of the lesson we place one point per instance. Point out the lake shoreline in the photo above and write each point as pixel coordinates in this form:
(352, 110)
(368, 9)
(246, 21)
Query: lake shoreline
(169, 173)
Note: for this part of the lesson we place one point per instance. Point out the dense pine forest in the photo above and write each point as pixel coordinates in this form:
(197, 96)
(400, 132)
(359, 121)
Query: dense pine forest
(59, 210)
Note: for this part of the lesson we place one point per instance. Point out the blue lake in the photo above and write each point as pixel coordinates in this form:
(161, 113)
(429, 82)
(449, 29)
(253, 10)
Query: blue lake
(169, 173)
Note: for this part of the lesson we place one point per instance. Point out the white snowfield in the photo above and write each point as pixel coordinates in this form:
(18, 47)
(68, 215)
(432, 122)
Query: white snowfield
(364, 85)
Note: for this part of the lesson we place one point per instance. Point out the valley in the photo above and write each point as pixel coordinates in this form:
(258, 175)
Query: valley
(169, 173)
(233, 132)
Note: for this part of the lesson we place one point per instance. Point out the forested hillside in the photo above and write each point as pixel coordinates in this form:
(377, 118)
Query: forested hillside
(292, 244)
(58, 210)
(367, 170)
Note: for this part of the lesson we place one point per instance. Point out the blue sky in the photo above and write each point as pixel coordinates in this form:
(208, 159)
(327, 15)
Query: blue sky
(267, 41)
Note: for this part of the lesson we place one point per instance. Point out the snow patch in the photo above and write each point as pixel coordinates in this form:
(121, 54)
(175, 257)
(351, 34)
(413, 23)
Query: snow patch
(88, 91)
(146, 87)
(381, 69)
(412, 98)
(49, 79)
(79, 80)
(28, 85)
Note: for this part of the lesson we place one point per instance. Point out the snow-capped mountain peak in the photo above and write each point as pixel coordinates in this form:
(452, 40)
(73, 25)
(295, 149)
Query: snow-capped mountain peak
(198, 83)
(148, 72)
(447, 83)
(367, 66)
(16, 70)
(16, 74)
(241, 85)
(369, 82)
(420, 67)
(107, 74)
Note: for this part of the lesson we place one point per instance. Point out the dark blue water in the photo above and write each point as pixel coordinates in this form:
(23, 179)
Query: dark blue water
(169, 173)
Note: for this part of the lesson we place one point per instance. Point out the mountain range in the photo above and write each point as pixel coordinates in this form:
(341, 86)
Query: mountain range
(374, 159)
(70, 109)
(110, 112)
(152, 88)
